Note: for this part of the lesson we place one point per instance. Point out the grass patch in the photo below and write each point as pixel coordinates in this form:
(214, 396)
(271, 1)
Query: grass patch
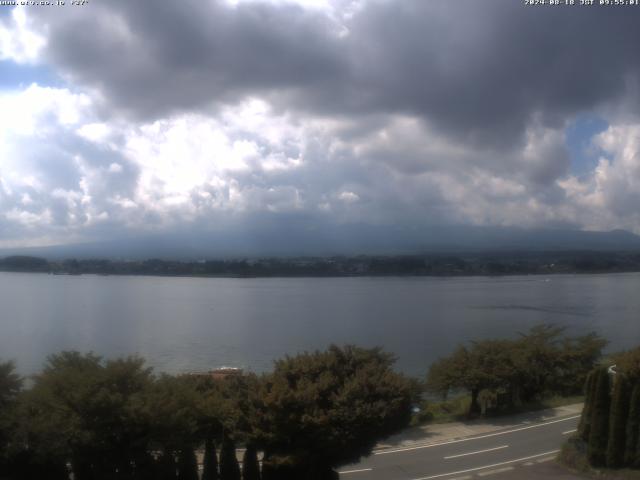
(456, 409)
(450, 410)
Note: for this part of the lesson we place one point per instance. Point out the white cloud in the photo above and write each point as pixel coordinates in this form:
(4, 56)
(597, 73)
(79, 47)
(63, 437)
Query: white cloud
(85, 175)
(18, 41)
(95, 132)
(115, 168)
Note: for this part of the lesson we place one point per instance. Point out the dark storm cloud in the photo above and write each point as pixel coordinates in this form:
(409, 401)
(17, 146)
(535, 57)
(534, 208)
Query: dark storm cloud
(152, 58)
(477, 71)
(405, 113)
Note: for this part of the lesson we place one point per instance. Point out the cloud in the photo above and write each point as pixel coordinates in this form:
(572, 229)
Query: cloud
(481, 73)
(186, 115)
(19, 41)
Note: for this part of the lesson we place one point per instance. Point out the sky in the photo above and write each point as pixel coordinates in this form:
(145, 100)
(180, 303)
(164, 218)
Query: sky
(121, 119)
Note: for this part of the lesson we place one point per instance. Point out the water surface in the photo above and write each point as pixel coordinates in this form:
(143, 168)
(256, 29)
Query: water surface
(184, 324)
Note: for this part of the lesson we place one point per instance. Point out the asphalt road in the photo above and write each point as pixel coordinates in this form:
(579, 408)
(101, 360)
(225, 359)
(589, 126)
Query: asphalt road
(471, 457)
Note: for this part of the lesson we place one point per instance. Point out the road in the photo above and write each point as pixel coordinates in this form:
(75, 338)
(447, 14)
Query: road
(478, 456)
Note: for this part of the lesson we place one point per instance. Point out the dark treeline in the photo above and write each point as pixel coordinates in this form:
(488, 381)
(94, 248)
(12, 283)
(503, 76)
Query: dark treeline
(114, 419)
(506, 373)
(609, 430)
(509, 263)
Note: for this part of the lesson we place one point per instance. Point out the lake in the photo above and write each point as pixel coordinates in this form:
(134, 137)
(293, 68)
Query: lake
(187, 324)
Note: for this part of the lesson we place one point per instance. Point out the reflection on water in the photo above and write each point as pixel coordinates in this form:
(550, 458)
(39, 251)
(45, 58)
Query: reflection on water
(182, 324)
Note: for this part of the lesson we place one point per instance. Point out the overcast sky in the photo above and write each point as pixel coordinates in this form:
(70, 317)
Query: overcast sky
(123, 117)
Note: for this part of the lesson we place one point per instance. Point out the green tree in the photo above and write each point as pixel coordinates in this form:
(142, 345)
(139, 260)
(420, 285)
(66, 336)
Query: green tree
(629, 363)
(486, 365)
(541, 362)
(618, 422)
(599, 432)
(250, 465)
(167, 468)
(325, 409)
(187, 464)
(632, 450)
(585, 419)
(10, 387)
(229, 468)
(577, 358)
(210, 462)
(84, 409)
(537, 362)
(170, 409)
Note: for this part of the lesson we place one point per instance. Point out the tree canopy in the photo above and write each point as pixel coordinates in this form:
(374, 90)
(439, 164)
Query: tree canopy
(537, 363)
(325, 409)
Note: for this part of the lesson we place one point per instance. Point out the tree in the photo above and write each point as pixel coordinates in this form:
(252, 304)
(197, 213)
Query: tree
(585, 419)
(187, 464)
(632, 450)
(488, 364)
(537, 359)
(10, 387)
(250, 465)
(599, 432)
(229, 468)
(443, 375)
(171, 410)
(85, 410)
(618, 422)
(577, 357)
(629, 363)
(210, 462)
(167, 467)
(325, 409)
(539, 363)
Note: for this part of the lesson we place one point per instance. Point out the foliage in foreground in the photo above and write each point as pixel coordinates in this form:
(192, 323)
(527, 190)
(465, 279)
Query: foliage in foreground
(115, 419)
(348, 398)
(609, 429)
(506, 373)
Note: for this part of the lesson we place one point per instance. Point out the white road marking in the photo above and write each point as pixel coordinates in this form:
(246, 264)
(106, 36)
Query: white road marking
(386, 452)
(548, 459)
(466, 477)
(488, 466)
(570, 431)
(479, 451)
(355, 471)
(493, 472)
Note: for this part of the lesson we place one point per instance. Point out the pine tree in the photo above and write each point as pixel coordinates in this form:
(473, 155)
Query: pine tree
(187, 464)
(632, 450)
(210, 471)
(145, 467)
(267, 472)
(167, 466)
(229, 468)
(618, 422)
(599, 431)
(585, 419)
(250, 465)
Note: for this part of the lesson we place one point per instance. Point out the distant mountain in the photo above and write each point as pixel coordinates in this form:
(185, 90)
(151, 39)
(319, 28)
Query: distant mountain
(287, 241)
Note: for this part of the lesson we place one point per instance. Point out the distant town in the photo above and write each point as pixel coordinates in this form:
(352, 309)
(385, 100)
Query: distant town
(506, 263)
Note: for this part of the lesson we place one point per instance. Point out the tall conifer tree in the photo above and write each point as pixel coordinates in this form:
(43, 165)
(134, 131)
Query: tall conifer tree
(187, 464)
(229, 468)
(599, 431)
(250, 465)
(632, 450)
(210, 467)
(618, 422)
(585, 419)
